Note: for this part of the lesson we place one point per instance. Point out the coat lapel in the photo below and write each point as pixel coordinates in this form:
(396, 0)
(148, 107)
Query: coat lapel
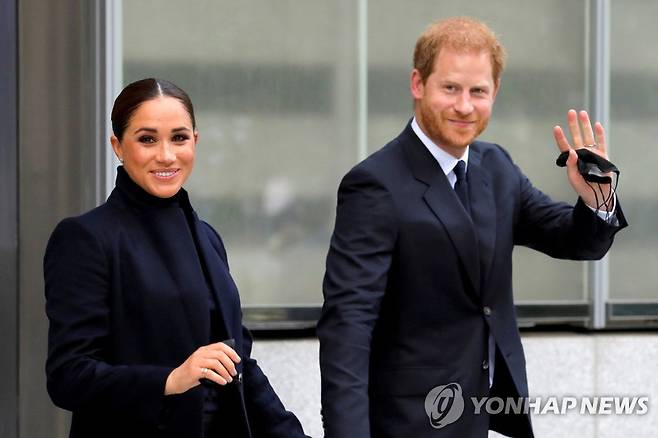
(445, 204)
(221, 282)
(483, 209)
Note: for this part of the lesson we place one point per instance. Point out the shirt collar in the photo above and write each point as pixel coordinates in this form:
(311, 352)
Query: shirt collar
(445, 160)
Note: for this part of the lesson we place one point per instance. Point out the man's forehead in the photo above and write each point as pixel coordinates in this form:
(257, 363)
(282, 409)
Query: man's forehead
(457, 63)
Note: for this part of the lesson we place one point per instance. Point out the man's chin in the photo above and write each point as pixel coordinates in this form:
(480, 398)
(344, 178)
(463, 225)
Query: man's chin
(459, 143)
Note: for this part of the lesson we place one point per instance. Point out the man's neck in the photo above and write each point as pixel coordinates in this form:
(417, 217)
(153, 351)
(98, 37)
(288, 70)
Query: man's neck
(457, 152)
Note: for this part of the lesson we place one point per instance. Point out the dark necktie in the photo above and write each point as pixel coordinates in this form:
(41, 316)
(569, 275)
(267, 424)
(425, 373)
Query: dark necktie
(461, 186)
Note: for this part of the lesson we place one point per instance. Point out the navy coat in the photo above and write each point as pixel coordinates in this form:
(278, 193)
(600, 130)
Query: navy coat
(128, 302)
(413, 287)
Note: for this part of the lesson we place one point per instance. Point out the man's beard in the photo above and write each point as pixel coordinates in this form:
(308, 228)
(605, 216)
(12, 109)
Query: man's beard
(446, 136)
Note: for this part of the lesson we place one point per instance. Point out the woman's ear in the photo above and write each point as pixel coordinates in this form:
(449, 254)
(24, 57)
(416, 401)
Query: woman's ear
(116, 146)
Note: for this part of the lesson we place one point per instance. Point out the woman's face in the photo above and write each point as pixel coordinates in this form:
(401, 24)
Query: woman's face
(158, 145)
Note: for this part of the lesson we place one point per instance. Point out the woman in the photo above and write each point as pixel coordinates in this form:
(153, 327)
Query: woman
(145, 331)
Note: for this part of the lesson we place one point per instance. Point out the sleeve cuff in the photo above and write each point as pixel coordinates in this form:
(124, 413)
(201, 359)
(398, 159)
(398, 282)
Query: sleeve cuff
(607, 216)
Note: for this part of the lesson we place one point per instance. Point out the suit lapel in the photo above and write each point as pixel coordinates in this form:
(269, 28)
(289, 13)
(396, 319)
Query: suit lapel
(444, 203)
(483, 209)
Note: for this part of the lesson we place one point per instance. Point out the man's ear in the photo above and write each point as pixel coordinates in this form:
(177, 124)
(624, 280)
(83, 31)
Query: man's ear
(116, 147)
(416, 84)
(496, 88)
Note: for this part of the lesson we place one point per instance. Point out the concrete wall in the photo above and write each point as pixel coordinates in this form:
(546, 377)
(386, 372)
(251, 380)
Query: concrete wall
(561, 365)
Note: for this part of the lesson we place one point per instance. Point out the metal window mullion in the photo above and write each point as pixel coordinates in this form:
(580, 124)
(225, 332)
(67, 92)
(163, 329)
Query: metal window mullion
(363, 79)
(598, 101)
(9, 250)
(111, 68)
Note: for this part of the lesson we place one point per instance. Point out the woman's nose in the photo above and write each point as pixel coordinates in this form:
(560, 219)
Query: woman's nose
(166, 153)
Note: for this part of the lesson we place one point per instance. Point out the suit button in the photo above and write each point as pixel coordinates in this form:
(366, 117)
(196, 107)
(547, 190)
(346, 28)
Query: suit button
(486, 310)
(239, 377)
(485, 364)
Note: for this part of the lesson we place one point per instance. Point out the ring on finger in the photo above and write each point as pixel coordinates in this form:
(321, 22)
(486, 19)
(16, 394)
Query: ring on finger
(593, 145)
(204, 371)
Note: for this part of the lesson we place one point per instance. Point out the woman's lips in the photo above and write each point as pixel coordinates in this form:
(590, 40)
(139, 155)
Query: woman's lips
(165, 174)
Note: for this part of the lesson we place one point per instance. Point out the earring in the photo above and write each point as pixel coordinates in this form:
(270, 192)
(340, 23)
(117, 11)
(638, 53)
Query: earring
(121, 160)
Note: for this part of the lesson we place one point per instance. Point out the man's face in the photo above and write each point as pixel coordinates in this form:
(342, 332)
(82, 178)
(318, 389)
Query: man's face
(454, 104)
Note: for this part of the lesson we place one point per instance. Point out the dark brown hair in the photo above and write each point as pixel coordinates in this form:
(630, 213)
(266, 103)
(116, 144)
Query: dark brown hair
(133, 95)
(462, 34)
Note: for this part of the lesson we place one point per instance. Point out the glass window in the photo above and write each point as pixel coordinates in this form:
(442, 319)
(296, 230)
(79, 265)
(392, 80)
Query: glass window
(275, 85)
(275, 91)
(634, 112)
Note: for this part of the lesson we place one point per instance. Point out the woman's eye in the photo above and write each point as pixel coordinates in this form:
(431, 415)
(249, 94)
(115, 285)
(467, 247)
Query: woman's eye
(178, 138)
(146, 139)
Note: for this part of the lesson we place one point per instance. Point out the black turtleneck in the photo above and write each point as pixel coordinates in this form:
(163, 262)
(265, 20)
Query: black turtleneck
(144, 200)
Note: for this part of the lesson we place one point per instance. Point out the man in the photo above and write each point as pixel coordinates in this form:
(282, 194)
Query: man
(418, 314)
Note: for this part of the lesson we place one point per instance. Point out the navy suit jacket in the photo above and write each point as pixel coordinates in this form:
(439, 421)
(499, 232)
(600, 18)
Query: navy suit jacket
(128, 302)
(413, 287)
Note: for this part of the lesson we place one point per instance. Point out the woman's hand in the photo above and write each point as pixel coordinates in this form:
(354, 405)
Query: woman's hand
(215, 362)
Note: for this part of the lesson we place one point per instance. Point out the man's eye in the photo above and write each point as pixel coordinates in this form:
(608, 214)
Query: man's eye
(146, 139)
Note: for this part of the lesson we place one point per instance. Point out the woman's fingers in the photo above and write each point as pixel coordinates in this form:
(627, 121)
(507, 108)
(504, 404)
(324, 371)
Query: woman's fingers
(215, 362)
(220, 346)
(213, 370)
(225, 362)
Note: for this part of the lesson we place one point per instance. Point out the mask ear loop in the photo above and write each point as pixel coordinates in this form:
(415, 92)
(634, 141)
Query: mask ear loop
(613, 195)
(609, 201)
(596, 197)
(604, 201)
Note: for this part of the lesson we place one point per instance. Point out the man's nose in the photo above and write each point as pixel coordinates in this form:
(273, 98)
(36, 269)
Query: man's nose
(464, 104)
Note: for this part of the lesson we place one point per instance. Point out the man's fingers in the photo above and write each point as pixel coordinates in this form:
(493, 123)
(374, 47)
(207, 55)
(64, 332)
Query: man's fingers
(588, 132)
(600, 138)
(572, 167)
(572, 160)
(574, 129)
(561, 139)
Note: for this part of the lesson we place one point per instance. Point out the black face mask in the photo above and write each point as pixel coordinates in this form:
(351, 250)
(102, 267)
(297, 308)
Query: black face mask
(594, 169)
